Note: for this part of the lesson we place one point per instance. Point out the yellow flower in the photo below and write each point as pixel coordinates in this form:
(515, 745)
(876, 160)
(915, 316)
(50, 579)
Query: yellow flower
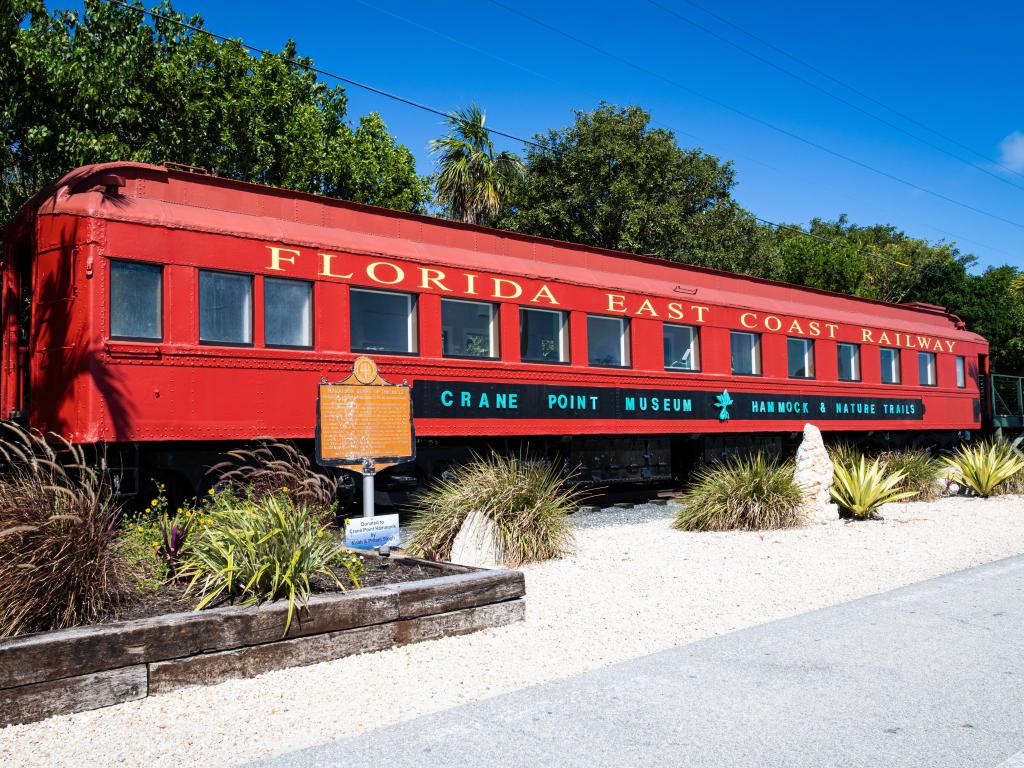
(179, 510)
(211, 491)
(156, 543)
(153, 503)
(285, 489)
(148, 510)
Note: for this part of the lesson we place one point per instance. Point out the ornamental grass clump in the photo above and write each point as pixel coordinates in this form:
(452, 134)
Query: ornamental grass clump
(921, 473)
(742, 493)
(59, 566)
(985, 468)
(256, 550)
(861, 489)
(528, 502)
(271, 466)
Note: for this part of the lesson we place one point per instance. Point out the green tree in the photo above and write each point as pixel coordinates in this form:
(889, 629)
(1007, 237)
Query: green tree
(105, 84)
(610, 180)
(472, 181)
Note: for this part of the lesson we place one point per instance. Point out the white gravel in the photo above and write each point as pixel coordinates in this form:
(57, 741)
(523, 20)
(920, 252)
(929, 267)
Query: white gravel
(629, 590)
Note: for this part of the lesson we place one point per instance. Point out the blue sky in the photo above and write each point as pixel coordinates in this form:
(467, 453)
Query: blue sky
(955, 67)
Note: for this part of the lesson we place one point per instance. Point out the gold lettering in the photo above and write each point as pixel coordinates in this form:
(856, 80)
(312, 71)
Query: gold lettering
(949, 345)
(866, 334)
(616, 303)
(700, 312)
(772, 319)
(815, 328)
(675, 310)
(500, 281)
(546, 293)
(884, 339)
(430, 276)
(832, 327)
(924, 342)
(371, 272)
(647, 307)
(898, 342)
(795, 327)
(276, 258)
(938, 345)
(326, 261)
(743, 319)
(470, 284)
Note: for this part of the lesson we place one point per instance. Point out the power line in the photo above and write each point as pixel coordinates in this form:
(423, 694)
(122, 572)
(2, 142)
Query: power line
(852, 88)
(830, 94)
(442, 113)
(756, 119)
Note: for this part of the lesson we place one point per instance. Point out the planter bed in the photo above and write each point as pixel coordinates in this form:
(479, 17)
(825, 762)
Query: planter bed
(73, 670)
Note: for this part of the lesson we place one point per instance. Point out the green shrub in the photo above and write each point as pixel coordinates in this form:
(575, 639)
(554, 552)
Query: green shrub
(845, 453)
(274, 467)
(528, 502)
(58, 522)
(921, 473)
(257, 550)
(986, 466)
(742, 492)
(860, 489)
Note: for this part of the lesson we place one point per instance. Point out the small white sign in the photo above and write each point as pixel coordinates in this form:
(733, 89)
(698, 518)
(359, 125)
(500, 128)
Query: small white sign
(372, 532)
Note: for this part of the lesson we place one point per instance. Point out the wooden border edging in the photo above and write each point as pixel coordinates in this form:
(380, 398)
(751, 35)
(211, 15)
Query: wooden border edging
(83, 668)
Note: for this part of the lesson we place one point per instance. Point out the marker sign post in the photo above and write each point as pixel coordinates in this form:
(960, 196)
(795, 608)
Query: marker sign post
(364, 424)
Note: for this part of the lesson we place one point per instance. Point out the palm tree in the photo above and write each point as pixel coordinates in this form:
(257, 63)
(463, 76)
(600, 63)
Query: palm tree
(472, 181)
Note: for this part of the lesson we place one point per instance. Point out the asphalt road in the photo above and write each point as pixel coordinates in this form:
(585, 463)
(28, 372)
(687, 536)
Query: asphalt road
(927, 675)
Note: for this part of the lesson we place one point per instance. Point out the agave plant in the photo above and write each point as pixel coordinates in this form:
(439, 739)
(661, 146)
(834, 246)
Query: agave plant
(861, 489)
(985, 466)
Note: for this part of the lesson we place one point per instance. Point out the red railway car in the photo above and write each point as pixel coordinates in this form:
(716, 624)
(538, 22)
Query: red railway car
(169, 313)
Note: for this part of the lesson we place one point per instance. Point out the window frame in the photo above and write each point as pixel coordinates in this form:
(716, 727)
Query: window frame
(898, 367)
(312, 312)
(859, 372)
(961, 372)
(809, 355)
(564, 338)
(493, 331)
(625, 342)
(412, 322)
(934, 368)
(110, 302)
(694, 346)
(252, 309)
(755, 352)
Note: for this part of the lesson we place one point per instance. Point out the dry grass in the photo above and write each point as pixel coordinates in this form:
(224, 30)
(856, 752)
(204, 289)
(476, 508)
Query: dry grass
(528, 501)
(58, 518)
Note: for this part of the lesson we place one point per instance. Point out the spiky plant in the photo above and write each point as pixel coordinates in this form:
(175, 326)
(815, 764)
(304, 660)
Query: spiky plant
(861, 489)
(844, 452)
(58, 523)
(528, 502)
(274, 467)
(986, 466)
(256, 550)
(742, 492)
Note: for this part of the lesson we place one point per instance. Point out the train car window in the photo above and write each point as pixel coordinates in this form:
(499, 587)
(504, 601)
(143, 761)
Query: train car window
(382, 321)
(745, 349)
(607, 341)
(225, 308)
(287, 313)
(890, 365)
(961, 375)
(682, 348)
(801, 358)
(543, 335)
(468, 328)
(926, 369)
(849, 361)
(136, 301)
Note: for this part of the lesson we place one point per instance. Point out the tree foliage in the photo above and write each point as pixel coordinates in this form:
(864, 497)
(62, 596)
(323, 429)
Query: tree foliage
(612, 181)
(105, 84)
(472, 181)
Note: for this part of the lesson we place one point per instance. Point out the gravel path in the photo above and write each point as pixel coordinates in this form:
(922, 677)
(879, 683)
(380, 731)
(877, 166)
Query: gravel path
(629, 590)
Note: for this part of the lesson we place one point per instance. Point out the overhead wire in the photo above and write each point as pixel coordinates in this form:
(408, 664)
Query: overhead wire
(852, 105)
(755, 118)
(451, 115)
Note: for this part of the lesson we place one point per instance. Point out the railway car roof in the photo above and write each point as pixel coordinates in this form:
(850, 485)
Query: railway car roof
(165, 196)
